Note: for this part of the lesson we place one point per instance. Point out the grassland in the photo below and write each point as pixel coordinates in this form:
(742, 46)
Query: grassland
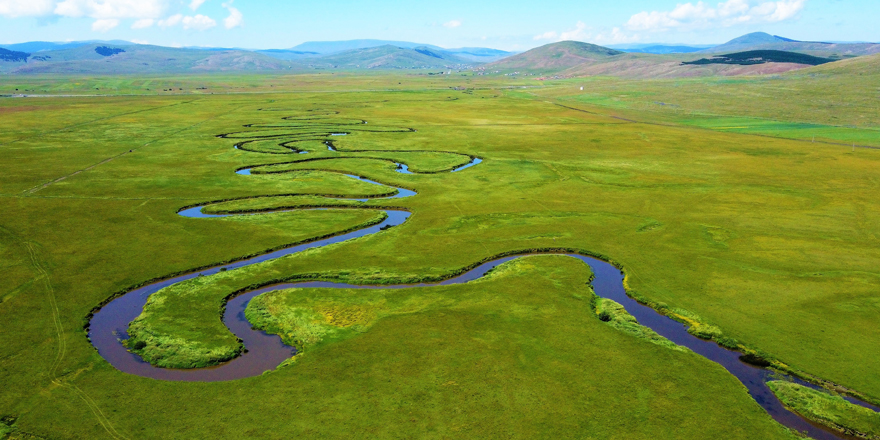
(834, 102)
(773, 241)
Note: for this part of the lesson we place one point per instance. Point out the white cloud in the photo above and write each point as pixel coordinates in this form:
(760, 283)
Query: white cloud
(550, 35)
(136, 41)
(785, 10)
(104, 24)
(111, 9)
(700, 15)
(452, 24)
(26, 8)
(651, 20)
(194, 4)
(198, 22)
(582, 33)
(578, 33)
(235, 18)
(616, 36)
(173, 20)
(143, 23)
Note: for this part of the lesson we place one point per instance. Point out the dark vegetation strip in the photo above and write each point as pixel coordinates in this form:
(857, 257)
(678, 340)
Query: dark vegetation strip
(753, 57)
(13, 56)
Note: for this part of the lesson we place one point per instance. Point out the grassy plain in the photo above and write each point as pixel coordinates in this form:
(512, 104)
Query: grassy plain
(772, 241)
(835, 102)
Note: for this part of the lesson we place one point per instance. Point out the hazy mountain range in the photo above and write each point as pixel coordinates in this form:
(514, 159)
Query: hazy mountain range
(567, 58)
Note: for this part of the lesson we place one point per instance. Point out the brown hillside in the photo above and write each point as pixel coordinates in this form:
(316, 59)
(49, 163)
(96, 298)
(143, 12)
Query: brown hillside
(555, 57)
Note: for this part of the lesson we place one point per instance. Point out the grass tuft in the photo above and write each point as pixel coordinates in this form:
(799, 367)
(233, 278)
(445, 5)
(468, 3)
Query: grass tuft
(617, 317)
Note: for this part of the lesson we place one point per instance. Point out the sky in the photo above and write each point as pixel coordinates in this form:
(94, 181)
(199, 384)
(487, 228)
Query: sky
(508, 25)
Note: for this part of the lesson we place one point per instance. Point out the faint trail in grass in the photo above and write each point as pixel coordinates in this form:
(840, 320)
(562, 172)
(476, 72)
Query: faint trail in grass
(79, 124)
(19, 196)
(47, 184)
(170, 135)
(43, 275)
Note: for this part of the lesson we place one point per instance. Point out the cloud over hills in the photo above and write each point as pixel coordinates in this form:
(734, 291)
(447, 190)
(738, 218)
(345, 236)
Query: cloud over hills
(700, 15)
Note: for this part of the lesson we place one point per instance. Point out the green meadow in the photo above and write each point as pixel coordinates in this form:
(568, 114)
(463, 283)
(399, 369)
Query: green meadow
(722, 210)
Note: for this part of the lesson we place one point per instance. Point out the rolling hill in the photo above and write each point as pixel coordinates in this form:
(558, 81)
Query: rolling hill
(555, 57)
(866, 66)
(575, 59)
(764, 41)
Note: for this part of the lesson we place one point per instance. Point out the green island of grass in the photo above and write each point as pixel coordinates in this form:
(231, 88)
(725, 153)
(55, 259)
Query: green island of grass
(828, 409)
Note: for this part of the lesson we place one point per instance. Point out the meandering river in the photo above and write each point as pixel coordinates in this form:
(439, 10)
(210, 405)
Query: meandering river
(265, 352)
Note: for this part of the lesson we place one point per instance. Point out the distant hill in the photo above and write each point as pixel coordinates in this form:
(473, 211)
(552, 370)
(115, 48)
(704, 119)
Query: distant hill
(753, 57)
(110, 59)
(390, 57)
(331, 47)
(41, 46)
(555, 57)
(288, 54)
(478, 54)
(663, 50)
(749, 41)
(660, 48)
(764, 41)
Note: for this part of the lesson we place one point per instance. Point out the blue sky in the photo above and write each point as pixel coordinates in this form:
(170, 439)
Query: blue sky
(510, 25)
